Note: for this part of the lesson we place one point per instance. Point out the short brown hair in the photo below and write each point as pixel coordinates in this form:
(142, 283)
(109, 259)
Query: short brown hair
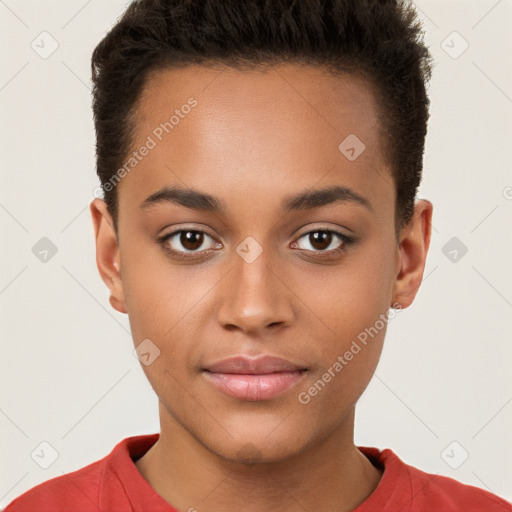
(379, 39)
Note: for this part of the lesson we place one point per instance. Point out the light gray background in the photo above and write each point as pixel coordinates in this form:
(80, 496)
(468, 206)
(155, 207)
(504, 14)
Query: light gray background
(69, 377)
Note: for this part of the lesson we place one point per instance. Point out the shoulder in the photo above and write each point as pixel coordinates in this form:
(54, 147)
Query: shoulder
(403, 485)
(78, 488)
(447, 494)
(97, 486)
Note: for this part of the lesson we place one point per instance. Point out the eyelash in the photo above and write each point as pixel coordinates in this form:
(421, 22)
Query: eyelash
(179, 255)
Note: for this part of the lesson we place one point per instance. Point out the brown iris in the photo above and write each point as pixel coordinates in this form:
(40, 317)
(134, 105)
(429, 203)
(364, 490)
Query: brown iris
(191, 240)
(320, 239)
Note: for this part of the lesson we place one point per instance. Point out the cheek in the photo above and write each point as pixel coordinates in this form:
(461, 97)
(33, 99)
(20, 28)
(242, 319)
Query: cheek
(350, 297)
(168, 305)
(350, 337)
(158, 297)
(335, 390)
(351, 312)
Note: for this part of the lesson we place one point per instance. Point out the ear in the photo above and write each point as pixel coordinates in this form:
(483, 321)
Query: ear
(413, 246)
(107, 253)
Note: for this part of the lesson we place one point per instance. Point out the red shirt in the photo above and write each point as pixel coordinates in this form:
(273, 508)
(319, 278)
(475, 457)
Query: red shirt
(114, 484)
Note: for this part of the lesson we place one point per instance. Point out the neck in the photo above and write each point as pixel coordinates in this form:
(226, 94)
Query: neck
(330, 475)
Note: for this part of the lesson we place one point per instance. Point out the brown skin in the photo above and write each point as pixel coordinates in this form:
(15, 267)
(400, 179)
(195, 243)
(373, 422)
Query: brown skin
(251, 141)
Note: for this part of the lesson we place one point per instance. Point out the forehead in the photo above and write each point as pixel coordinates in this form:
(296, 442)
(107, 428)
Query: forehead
(257, 130)
(263, 99)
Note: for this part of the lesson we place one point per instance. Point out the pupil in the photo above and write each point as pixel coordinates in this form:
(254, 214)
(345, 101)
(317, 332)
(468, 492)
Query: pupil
(321, 239)
(191, 239)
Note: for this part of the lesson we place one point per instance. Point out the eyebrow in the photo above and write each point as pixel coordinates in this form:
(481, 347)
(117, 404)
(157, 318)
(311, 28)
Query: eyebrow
(306, 200)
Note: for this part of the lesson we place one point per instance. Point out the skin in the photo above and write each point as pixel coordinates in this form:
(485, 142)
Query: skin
(255, 138)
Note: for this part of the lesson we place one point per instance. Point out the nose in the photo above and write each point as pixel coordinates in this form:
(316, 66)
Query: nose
(255, 297)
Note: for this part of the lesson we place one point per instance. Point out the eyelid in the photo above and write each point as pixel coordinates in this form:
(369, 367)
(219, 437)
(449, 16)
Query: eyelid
(319, 226)
(323, 227)
(179, 229)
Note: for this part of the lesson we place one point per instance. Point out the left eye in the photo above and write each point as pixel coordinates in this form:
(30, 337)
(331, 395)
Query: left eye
(322, 240)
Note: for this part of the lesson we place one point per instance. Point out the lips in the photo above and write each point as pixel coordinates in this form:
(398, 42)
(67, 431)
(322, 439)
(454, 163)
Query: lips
(259, 366)
(257, 379)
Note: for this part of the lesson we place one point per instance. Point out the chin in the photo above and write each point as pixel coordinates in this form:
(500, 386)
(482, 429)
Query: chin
(257, 447)
(252, 454)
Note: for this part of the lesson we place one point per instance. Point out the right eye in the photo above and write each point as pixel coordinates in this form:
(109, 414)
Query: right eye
(187, 242)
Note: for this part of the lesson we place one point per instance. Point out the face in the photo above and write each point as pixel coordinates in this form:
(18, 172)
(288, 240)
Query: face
(246, 230)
